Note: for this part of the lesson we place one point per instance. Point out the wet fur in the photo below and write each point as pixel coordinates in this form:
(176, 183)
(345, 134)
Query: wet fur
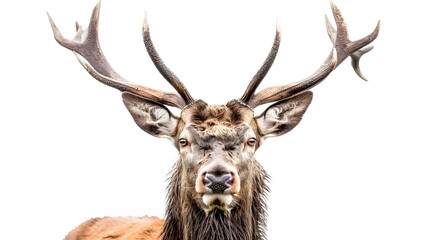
(185, 219)
(247, 220)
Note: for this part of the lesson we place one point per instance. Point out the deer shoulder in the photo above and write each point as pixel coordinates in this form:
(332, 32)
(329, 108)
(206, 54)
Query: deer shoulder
(118, 228)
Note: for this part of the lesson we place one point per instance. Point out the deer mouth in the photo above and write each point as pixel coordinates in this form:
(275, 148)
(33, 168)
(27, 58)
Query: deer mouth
(222, 201)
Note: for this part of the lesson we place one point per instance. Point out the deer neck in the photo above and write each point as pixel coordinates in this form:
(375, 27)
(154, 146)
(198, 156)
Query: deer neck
(186, 220)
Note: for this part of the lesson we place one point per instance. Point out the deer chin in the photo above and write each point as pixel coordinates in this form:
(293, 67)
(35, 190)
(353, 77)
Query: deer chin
(221, 201)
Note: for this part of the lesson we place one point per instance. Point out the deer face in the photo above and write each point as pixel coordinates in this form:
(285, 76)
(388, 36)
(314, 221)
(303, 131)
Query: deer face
(217, 143)
(216, 146)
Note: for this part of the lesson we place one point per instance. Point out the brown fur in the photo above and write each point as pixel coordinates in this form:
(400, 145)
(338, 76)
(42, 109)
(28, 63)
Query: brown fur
(184, 217)
(217, 140)
(120, 228)
(247, 221)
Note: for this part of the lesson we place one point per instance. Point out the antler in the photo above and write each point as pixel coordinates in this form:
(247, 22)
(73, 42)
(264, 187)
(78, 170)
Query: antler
(260, 74)
(343, 48)
(87, 49)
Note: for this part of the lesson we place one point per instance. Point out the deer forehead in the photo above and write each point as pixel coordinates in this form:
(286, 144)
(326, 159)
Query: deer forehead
(233, 113)
(217, 135)
(228, 120)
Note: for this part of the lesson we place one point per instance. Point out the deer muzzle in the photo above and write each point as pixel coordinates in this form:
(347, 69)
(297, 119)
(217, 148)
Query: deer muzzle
(217, 182)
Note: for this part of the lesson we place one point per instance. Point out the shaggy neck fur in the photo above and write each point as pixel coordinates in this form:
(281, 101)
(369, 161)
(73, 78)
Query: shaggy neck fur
(186, 220)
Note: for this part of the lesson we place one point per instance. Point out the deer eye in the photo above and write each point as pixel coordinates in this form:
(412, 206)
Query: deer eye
(251, 142)
(183, 142)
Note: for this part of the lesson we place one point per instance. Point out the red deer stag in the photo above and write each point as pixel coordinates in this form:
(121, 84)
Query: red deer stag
(217, 188)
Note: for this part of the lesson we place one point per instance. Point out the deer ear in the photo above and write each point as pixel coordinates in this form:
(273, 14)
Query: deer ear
(282, 117)
(153, 118)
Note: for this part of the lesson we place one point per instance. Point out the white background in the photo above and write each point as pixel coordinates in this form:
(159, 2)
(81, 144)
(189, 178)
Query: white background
(355, 168)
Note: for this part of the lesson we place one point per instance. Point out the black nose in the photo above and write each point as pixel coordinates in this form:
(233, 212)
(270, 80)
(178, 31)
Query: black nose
(218, 182)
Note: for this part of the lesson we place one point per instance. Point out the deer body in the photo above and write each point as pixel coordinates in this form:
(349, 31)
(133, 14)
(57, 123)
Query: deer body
(217, 188)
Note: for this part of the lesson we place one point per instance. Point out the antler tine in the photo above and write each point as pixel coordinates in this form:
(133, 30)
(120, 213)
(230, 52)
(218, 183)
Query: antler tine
(356, 58)
(260, 74)
(343, 48)
(86, 44)
(342, 43)
(162, 68)
(87, 49)
(347, 44)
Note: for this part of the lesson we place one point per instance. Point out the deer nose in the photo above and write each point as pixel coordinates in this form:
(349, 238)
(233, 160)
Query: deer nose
(218, 182)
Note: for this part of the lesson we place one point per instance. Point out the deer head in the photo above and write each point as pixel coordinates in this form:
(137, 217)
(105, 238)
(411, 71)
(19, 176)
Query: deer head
(216, 183)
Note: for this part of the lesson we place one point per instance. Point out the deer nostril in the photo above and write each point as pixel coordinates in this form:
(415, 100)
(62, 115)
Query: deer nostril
(218, 182)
